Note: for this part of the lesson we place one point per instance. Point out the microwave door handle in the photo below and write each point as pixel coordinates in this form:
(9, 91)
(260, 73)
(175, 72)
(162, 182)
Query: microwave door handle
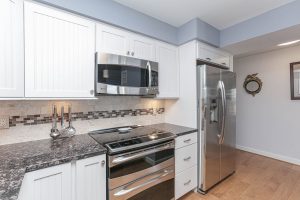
(149, 74)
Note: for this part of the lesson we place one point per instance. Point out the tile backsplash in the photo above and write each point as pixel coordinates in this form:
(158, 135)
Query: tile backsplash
(31, 119)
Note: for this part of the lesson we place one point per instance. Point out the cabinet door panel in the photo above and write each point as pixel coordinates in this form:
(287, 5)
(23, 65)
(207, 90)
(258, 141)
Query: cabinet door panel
(11, 49)
(47, 184)
(112, 40)
(59, 53)
(142, 47)
(91, 178)
(168, 58)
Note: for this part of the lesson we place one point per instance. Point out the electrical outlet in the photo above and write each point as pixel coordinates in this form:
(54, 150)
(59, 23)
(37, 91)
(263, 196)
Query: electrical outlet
(4, 122)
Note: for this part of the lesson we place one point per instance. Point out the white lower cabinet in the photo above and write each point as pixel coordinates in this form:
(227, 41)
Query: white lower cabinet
(90, 176)
(185, 164)
(185, 181)
(84, 179)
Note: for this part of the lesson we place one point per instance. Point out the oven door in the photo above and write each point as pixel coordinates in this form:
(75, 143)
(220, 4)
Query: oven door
(121, 75)
(125, 168)
(158, 186)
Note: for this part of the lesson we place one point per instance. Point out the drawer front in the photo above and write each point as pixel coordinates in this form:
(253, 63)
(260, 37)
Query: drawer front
(185, 140)
(185, 158)
(185, 182)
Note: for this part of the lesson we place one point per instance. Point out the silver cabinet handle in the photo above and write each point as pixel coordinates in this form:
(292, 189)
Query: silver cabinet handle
(102, 162)
(187, 141)
(223, 63)
(187, 183)
(208, 59)
(132, 53)
(187, 158)
(152, 180)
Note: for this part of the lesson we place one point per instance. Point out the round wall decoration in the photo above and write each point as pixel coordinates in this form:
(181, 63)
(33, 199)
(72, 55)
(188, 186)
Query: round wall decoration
(253, 84)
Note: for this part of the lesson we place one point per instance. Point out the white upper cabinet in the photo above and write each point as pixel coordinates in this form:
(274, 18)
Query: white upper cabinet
(112, 40)
(215, 55)
(59, 53)
(117, 41)
(11, 49)
(142, 47)
(168, 58)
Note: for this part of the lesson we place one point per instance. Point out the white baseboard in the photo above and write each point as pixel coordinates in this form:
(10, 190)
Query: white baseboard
(270, 155)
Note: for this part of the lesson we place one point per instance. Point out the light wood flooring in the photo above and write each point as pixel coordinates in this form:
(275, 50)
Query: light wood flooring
(256, 178)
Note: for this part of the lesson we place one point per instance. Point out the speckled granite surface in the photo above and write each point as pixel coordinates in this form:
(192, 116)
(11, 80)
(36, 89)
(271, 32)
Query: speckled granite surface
(17, 159)
(175, 129)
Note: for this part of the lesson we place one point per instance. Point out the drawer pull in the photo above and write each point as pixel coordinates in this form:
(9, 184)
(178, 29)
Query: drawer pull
(208, 59)
(188, 158)
(187, 141)
(187, 183)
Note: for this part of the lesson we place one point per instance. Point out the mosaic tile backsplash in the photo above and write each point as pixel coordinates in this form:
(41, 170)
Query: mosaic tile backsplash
(31, 119)
(44, 119)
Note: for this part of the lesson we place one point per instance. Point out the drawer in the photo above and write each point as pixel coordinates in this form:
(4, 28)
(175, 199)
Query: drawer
(185, 157)
(185, 182)
(185, 140)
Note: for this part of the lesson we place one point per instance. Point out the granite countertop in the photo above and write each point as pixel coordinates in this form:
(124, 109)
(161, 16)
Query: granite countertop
(175, 129)
(17, 159)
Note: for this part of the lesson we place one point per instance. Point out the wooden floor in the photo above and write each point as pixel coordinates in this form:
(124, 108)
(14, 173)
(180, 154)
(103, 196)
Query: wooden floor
(256, 178)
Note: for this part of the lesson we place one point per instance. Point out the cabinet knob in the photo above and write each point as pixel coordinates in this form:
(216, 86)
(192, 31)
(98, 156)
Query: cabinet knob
(128, 53)
(102, 162)
(91, 92)
(132, 53)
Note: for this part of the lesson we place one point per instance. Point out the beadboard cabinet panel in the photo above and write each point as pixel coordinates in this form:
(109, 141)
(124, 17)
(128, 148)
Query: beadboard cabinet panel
(112, 40)
(142, 47)
(48, 184)
(11, 49)
(59, 53)
(91, 178)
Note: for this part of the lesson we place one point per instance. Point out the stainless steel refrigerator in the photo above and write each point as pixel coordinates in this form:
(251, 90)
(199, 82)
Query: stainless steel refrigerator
(216, 90)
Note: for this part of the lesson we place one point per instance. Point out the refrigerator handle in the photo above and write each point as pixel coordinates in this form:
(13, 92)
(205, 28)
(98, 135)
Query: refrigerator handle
(224, 107)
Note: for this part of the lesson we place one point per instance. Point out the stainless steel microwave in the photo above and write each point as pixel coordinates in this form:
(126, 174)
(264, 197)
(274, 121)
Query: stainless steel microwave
(121, 75)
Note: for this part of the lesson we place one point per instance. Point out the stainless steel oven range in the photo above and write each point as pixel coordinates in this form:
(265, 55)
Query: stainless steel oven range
(141, 163)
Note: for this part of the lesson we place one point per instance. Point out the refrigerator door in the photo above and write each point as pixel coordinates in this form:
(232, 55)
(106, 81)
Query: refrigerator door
(229, 135)
(209, 113)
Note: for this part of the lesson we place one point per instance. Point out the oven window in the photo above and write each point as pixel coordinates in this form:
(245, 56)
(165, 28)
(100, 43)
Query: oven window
(154, 80)
(122, 75)
(162, 191)
(140, 163)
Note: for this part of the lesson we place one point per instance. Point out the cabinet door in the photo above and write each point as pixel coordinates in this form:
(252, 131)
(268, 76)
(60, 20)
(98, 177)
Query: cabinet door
(168, 59)
(91, 178)
(112, 40)
(59, 53)
(11, 49)
(142, 47)
(215, 55)
(47, 184)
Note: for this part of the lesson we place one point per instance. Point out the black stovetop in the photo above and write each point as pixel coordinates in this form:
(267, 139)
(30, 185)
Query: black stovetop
(136, 137)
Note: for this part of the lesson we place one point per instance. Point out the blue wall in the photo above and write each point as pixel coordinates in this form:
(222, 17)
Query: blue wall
(274, 20)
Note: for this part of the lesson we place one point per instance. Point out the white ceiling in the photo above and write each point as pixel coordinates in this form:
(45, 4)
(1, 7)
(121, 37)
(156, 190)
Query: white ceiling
(219, 13)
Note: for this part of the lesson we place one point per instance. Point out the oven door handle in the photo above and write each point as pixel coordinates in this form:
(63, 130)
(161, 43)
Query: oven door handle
(126, 158)
(127, 189)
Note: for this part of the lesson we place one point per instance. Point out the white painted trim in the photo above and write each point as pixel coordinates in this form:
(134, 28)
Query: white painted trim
(270, 155)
